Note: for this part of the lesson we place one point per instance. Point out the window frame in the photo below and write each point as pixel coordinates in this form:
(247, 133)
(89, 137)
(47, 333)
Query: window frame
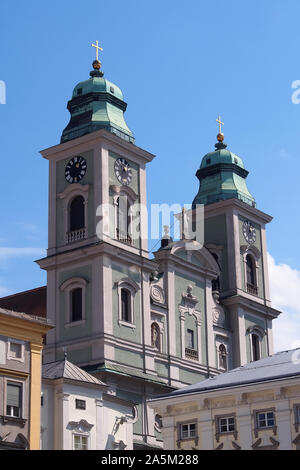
(79, 400)
(132, 287)
(187, 423)
(191, 337)
(220, 433)
(9, 356)
(258, 428)
(20, 384)
(81, 436)
(67, 287)
(296, 407)
(70, 192)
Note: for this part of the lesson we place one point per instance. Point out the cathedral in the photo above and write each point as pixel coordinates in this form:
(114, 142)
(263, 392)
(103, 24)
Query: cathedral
(147, 325)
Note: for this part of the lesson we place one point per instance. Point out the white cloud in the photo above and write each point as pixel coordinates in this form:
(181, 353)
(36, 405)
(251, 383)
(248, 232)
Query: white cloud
(285, 296)
(7, 252)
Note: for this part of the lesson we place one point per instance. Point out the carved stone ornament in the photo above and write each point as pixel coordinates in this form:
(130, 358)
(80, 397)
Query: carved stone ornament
(157, 294)
(218, 312)
(218, 317)
(189, 302)
(80, 426)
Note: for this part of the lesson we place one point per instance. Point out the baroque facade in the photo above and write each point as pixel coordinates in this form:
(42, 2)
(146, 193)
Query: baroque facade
(148, 326)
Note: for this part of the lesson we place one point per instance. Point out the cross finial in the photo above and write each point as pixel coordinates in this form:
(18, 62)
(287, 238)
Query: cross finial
(220, 124)
(98, 48)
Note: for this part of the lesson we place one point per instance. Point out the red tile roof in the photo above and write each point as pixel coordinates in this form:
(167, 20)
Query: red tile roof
(32, 302)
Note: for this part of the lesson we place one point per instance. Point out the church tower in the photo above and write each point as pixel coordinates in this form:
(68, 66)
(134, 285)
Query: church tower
(235, 234)
(147, 326)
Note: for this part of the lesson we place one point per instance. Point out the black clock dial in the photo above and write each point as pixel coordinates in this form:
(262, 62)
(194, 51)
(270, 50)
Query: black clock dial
(123, 171)
(75, 169)
(249, 232)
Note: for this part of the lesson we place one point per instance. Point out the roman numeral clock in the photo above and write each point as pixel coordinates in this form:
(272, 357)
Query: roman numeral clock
(75, 169)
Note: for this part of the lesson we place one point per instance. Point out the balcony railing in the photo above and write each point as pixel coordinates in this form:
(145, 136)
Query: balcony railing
(251, 289)
(191, 354)
(76, 235)
(123, 237)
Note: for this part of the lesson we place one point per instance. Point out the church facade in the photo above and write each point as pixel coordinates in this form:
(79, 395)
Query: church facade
(148, 326)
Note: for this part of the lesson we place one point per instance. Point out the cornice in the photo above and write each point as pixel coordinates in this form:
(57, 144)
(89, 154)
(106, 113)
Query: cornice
(89, 141)
(88, 252)
(218, 208)
(257, 307)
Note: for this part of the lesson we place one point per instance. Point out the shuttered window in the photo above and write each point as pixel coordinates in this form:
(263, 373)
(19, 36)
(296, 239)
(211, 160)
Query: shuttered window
(14, 399)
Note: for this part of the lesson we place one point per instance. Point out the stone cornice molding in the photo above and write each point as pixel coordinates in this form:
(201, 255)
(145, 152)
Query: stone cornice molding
(81, 426)
(93, 140)
(121, 190)
(75, 188)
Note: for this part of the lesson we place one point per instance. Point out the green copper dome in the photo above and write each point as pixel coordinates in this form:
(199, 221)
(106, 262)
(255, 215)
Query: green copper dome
(222, 175)
(96, 104)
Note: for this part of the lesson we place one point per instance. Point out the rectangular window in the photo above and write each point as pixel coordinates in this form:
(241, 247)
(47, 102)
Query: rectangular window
(190, 337)
(265, 419)
(14, 399)
(187, 430)
(80, 442)
(80, 404)
(76, 304)
(15, 350)
(227, 424)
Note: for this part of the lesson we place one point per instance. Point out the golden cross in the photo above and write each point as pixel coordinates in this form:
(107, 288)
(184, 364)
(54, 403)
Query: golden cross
(98, 48)
(220, 124)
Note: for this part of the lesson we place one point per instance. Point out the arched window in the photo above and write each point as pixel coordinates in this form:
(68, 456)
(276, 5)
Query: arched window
(76, 304)
(77, 214)
(250, 275)
(123, 219)
(155, 336)
(222, 357)
(255, 347)
(126, 306)
(216, 282)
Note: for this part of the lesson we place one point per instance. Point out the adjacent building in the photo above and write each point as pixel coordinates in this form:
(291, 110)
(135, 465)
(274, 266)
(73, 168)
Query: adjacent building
(255, 406)
(21, 344)
(79, 412)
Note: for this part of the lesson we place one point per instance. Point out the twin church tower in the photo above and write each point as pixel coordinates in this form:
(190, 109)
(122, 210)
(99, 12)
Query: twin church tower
(147, 326)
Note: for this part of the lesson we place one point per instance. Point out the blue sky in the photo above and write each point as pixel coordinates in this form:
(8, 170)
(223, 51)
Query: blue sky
(179, 65)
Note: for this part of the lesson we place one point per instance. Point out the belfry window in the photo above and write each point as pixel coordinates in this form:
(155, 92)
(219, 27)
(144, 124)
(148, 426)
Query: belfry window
(222, 357)
(123, 220)
(255, 347)
(77, 221)
(126, 306)
(76, 304)
(250, 276)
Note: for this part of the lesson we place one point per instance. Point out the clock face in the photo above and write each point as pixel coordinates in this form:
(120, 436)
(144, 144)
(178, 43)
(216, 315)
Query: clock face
(123, 171)
(249, 232)
(75, 169)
